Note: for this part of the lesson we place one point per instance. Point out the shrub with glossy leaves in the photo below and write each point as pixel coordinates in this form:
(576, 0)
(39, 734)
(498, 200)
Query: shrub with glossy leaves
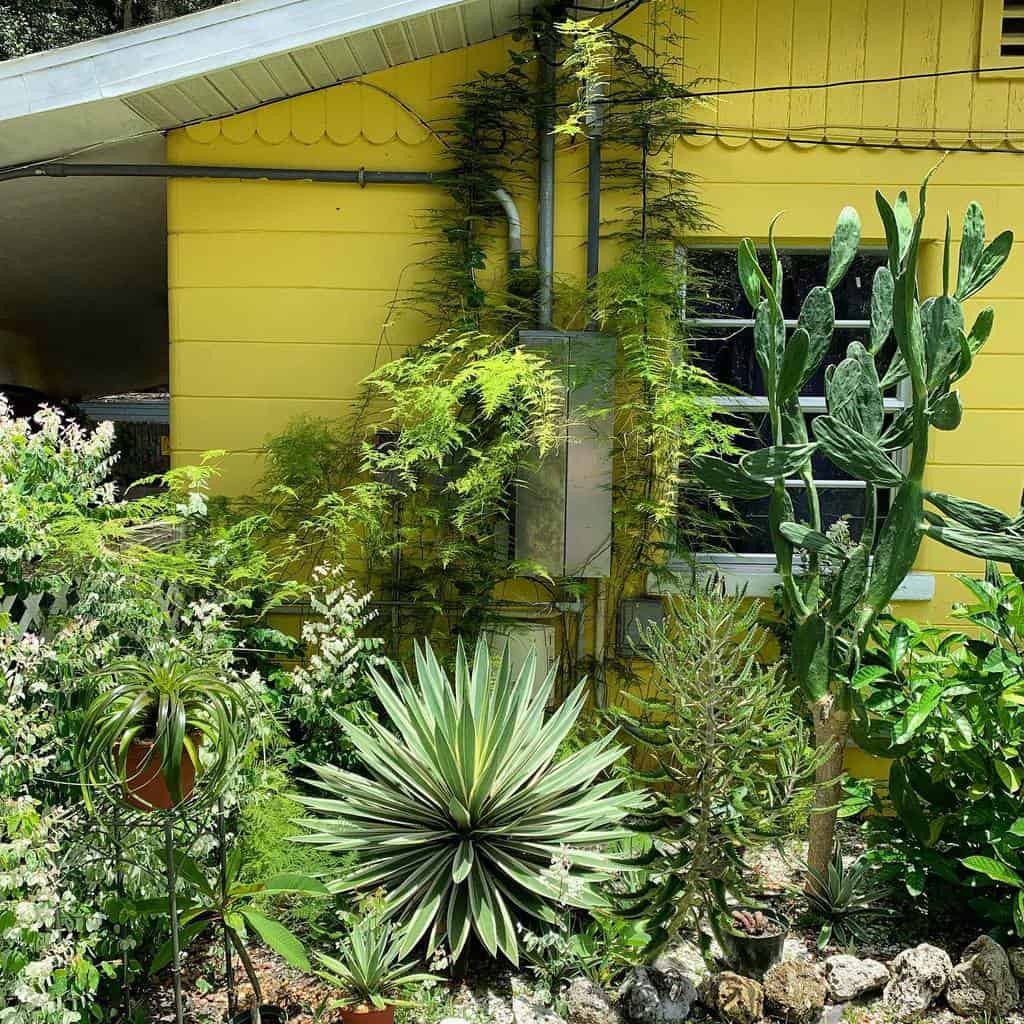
(465, 803)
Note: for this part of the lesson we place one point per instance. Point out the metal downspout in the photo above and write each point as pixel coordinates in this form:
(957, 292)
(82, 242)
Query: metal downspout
(546, 180)
(361, 177)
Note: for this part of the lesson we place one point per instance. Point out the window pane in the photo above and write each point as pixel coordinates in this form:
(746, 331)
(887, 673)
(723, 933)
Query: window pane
(749, 533)
(727, 353)
(716, 289)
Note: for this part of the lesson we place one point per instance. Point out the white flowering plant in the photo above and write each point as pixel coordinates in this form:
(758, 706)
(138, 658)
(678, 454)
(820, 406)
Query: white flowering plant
(87, 578)
(333, 677)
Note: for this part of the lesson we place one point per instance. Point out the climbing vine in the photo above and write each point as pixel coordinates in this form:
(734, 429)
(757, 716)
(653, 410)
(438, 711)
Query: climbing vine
(421, 481)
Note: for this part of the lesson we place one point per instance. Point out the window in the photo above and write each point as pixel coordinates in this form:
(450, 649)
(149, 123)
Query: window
(722, 336)
(1002, 37)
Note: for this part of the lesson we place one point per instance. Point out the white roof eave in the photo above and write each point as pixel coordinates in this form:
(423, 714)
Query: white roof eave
(153, 78)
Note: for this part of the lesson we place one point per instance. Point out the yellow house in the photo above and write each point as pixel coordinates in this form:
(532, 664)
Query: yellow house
(278, 292)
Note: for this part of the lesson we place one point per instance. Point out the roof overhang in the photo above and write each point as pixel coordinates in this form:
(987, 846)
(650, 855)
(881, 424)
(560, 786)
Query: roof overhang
(83, 303)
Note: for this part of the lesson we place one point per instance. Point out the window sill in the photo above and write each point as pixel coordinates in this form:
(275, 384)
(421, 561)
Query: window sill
(757, 576)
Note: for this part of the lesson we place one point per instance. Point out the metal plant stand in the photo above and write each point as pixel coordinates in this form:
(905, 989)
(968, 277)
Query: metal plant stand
(172, 910)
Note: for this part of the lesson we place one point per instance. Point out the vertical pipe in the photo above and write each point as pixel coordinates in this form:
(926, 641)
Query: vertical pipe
(600, 687)
(547, 50)
(126, 1004)
(596, 128)
(222, 848)
(172, 911)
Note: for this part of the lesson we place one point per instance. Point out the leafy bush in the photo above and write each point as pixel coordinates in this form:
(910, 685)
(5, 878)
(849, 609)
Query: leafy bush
(463, 805)
(732, 756)
(949, 707)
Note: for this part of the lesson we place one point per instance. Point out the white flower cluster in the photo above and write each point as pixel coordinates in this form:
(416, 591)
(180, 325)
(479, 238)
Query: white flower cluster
(337, 652)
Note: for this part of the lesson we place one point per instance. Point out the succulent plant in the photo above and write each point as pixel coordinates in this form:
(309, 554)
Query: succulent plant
(466, 816)
(934, 351)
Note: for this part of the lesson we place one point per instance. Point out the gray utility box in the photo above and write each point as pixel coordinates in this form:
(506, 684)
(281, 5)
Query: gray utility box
(564, 507)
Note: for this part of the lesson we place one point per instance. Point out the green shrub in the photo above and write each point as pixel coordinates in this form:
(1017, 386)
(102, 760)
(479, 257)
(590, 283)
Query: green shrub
(949, 707)
(266, 827)
(732, 756)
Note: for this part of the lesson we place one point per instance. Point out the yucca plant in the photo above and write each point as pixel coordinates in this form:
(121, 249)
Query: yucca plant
(368, 971)
(154, 715)
(465, 804)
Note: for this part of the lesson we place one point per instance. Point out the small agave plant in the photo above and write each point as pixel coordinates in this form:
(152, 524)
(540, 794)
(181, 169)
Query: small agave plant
(466, 804)
(834, 592)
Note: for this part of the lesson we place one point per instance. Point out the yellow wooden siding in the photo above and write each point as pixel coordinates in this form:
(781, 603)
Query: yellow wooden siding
(282, 295)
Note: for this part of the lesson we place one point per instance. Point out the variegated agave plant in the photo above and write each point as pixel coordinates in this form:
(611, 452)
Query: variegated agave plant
(465, 804)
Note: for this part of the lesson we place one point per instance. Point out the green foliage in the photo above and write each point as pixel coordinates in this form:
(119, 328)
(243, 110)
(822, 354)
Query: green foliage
(832, 626)
(731, 757)
(369, 970)
(846, 900)
(949, 707)
(264, 832)
(231, 906)
(463, 805)
(176, 705)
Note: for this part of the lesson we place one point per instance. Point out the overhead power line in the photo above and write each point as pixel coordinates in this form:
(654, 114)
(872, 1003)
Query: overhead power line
(887, 79)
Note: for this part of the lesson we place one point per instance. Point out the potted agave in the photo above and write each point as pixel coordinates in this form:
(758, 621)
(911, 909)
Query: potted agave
(369, 974)
(144, 731)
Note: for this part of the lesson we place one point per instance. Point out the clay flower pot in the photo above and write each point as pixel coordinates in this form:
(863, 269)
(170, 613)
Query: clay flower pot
(358, 1015)
(145, 786)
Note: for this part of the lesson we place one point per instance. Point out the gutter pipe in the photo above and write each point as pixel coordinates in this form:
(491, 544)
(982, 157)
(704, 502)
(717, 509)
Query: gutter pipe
(596, 118)
(546, 180)
(360, 177)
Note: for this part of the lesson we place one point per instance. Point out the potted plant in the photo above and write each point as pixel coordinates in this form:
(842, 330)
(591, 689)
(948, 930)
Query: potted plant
(752, 939)
(230, 906)
(369, 974)
(144, 732)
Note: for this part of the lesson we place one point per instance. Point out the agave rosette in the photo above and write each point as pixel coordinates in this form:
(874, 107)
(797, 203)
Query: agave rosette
(465, 804)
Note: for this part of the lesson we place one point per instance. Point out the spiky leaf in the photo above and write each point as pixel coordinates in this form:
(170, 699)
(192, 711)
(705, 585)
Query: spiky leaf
(809, 657)
(794, 364)
(881, 308)
(850, 584)
(843, 248)
(818, 319)
(778, 461)
(898, 543)
(854, 395)
(1000, 547)
(856, 454)
(972, 514)
(947, 412)
(728, 479)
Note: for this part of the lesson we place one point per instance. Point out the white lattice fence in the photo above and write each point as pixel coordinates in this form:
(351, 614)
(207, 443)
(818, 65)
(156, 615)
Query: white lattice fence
(29, 614)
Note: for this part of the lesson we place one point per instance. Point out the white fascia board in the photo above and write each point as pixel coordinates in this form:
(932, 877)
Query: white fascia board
(171, 51)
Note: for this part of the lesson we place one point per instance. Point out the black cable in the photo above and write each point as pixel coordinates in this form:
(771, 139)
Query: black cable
(851, 144)
(810, 86)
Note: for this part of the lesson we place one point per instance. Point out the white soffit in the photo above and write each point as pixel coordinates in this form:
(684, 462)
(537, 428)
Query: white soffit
(218, 62)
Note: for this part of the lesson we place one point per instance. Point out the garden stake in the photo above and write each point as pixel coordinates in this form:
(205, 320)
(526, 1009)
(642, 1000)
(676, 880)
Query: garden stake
(172, 910)
(119, 889)
(229, 971)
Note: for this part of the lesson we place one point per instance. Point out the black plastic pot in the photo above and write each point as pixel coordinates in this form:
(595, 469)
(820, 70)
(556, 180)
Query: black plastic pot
(268, 1015)
(752, 955)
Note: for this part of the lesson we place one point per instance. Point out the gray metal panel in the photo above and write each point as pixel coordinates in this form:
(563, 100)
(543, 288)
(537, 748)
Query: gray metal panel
(564, 508)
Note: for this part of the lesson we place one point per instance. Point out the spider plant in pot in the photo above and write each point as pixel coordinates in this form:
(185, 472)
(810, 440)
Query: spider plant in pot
(370, 974)
(143, 733)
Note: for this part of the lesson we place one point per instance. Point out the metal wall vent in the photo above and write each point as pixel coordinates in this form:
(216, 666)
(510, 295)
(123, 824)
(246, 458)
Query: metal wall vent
(1011, 36)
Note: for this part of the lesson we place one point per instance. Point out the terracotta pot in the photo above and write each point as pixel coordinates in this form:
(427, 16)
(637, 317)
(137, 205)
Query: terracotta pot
(350, 1015)
(145, 786)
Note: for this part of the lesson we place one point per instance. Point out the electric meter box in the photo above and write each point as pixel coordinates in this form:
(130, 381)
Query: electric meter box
(564, 506)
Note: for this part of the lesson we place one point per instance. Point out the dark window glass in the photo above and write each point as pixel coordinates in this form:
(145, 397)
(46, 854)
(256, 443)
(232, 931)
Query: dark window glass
(716, 291)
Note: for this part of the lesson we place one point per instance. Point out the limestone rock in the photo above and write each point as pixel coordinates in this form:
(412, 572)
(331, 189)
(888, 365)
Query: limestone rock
(849, 977)
(586, 1003)
(1016, 957)
(919, 976)
(794, 990)
(982, 985)
(662, 993)
(684, 957)
(736, 999)
(529, 1011)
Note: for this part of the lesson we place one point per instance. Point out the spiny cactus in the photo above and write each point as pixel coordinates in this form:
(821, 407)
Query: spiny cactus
(833, 622)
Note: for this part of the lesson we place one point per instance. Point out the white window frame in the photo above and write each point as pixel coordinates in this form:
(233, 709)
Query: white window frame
(755, 572)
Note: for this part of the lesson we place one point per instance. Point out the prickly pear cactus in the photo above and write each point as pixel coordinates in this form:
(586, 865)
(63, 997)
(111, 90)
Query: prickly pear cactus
(835, 592)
